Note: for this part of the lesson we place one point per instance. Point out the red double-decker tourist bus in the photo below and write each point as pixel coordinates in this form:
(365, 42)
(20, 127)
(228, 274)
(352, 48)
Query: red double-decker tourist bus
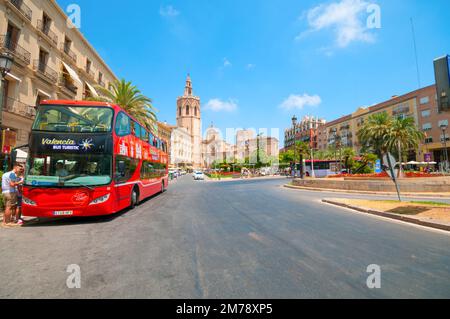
(89, 159)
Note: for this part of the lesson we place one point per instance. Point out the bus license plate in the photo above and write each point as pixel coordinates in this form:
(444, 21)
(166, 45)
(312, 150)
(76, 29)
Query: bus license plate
(63, 213)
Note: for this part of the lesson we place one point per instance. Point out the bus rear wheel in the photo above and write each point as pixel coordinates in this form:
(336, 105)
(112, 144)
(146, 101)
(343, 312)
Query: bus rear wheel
(134, 198)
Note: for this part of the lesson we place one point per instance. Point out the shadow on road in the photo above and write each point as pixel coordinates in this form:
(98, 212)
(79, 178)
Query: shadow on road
(70, 221)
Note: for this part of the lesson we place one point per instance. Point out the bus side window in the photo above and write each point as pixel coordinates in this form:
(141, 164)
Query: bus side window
(123, 125)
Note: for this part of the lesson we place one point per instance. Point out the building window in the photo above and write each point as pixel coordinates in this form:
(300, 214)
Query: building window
(427, 127)
(443, 123)
(428, 140)
(179, 111)
(187, 109)
(88, 65)
(426, 113)
(195, 110)
(424, 100)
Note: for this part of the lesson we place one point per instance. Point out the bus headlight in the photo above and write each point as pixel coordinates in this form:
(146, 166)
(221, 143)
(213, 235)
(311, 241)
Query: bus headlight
(100, 200)
(28, 201)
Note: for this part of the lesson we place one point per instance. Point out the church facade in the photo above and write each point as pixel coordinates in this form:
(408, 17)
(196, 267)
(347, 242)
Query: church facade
(189, 117)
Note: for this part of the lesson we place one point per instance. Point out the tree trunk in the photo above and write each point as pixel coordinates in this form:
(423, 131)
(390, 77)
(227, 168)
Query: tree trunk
(400, 170)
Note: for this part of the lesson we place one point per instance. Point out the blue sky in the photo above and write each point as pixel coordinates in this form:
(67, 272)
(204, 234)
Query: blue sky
(255, 63)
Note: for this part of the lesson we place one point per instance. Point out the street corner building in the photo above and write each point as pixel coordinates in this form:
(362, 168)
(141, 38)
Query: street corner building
(52, 61)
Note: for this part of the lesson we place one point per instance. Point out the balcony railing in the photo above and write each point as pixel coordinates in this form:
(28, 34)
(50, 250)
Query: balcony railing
(45, 71)
(66, 49)
(15, 49)
(45, 29)
(68, 85)
(101, 83)
(17, 107)
(23, 8)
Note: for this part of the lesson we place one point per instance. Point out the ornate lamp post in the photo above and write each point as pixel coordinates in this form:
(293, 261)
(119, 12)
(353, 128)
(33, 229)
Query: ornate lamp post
(294, 124)
(444, 142)
(6, 62)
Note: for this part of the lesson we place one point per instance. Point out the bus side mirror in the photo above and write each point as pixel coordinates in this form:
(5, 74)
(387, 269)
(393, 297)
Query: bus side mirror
(121, 169)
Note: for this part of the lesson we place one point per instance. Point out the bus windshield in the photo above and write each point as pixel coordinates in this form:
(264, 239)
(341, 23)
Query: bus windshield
(55, 118)
(68, 170)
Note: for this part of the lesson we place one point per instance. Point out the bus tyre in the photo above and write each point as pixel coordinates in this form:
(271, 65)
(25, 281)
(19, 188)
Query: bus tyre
(134, 198)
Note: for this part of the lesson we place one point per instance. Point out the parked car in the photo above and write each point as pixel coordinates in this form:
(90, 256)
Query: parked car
(199, 176)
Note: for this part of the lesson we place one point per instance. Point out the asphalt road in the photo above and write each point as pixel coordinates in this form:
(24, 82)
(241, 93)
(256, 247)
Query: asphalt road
(239, 239)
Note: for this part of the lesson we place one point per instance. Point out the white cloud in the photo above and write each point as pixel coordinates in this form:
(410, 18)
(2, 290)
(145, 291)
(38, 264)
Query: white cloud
(346, 18)
(218, 105)
(300, 101)
(226, 63)
(168, 11)
(250, 66)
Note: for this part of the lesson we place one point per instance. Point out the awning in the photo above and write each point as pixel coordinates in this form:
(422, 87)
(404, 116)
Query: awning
(92, 89)
(39, 91)
(72, 73)
(12, 77)
(21, 154)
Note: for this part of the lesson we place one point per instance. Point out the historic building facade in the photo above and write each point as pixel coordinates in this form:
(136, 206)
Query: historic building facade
(306, 131)
(51, 61)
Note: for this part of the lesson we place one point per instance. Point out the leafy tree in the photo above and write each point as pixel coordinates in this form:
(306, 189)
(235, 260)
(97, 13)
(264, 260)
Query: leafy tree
(130, 98)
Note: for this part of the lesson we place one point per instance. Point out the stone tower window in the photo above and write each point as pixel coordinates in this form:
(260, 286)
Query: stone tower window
(179, 111)
(187, 109)
(195, 110)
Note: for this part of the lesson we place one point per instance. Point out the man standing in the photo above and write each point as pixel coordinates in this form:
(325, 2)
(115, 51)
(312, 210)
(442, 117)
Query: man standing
(9, 183)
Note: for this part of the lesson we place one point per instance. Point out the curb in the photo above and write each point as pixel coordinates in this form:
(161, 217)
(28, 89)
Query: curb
(330, 190)
(389, 215)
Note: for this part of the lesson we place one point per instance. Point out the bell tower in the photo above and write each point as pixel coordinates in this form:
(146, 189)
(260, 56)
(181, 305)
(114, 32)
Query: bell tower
(189, 117)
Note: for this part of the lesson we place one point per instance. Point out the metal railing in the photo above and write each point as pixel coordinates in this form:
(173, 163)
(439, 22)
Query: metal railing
(101, 83)
(66, 49)
(45, 29)
(14, 106)
(15, 49)
(23, 8)
(65, 83)
(45, 70)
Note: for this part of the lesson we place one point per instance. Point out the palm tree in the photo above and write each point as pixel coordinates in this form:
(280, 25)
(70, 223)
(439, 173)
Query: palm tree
(302, 150)
(348, 154)
(404, 135)
(375, 133)
(130, 98)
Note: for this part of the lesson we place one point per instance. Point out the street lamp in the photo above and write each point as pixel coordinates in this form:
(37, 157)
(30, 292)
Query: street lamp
(6, 62)
(294, 124)
(444, 141)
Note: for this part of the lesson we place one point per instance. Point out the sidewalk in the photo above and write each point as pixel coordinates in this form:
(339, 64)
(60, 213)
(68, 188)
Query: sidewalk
(417, 219)
(329, 190)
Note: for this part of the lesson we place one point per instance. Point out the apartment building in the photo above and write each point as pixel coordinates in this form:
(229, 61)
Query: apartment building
(181, 148)
(420, 104)
(51, 61)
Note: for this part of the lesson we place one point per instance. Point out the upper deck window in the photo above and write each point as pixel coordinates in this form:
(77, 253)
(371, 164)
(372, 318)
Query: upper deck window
(75, 119)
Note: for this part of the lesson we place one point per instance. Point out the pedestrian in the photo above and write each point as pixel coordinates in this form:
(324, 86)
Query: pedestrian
(18, 217)
(9, 192)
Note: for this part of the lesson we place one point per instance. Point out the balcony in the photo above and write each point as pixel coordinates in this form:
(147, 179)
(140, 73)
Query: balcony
(65, 48)
(19, 108)
(20, 53)
(45, 72)
(101, 83)
(20, 8)
(90, 73)
(67, 86)
(48, 34)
